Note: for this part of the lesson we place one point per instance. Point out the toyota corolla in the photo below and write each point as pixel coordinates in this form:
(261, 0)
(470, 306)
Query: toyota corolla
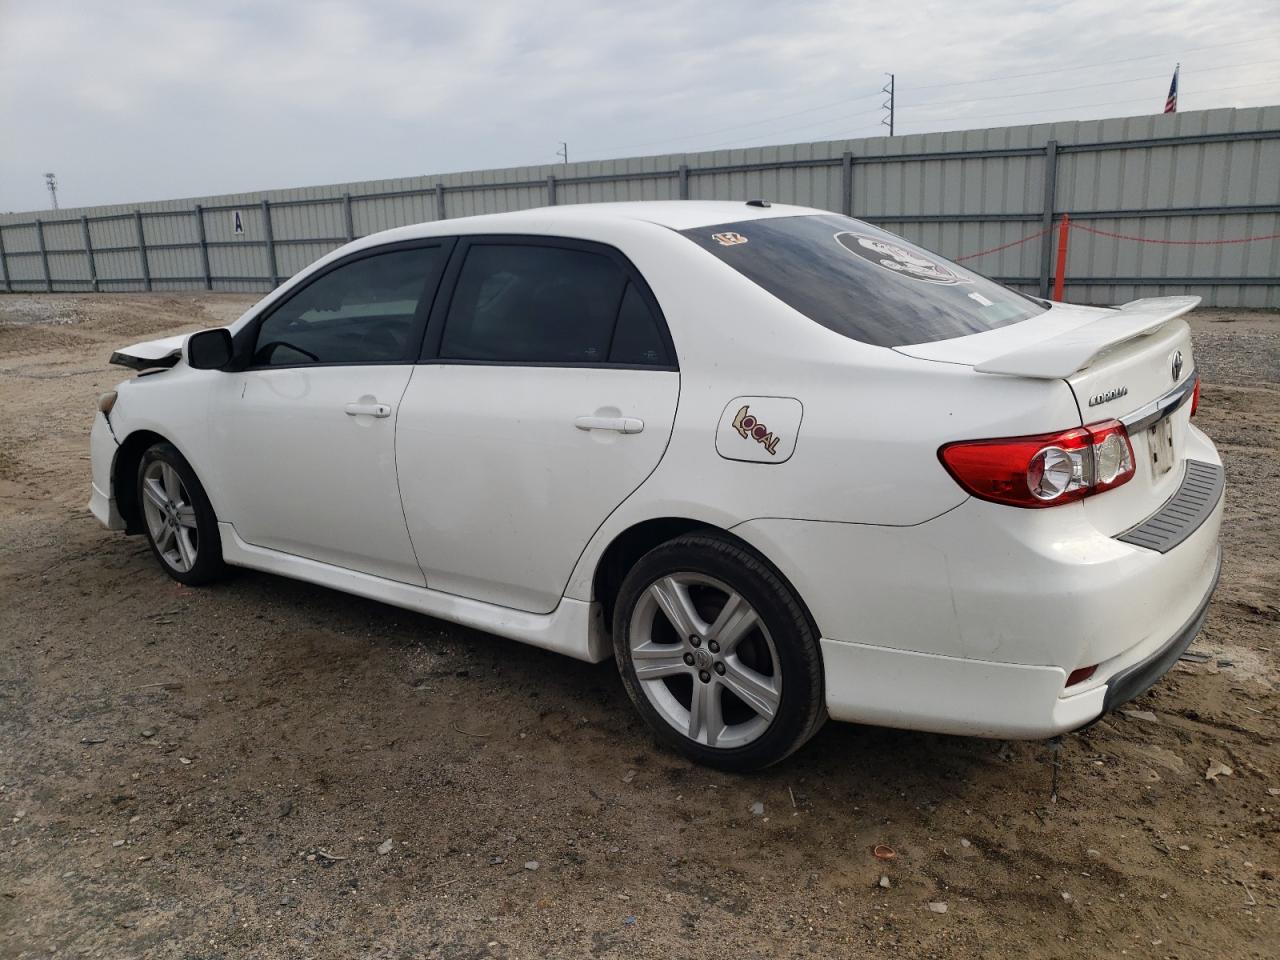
(780, 464)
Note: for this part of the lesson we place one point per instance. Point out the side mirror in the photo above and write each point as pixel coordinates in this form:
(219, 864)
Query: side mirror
(209, 349)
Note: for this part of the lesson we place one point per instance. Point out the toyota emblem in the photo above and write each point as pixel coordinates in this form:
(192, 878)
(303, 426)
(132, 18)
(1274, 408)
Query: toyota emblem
(1177, 365)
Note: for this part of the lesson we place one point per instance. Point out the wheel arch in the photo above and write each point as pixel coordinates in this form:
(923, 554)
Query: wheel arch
(124, 469)
(629, 545)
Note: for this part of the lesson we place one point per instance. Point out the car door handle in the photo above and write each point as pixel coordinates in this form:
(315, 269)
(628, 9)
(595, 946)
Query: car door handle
(362, 409)
(620, 424)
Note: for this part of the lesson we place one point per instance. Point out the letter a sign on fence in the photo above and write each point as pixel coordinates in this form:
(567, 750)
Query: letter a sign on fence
(239, 231)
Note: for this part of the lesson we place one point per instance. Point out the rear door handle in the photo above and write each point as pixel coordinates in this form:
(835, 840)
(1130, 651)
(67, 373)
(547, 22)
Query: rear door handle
(364, 409)
(620, 424)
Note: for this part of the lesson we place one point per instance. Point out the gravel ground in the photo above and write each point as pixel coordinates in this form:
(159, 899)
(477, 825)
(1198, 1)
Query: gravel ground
(268, 769)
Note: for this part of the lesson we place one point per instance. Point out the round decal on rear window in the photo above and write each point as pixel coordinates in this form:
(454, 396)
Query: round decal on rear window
(899, 259)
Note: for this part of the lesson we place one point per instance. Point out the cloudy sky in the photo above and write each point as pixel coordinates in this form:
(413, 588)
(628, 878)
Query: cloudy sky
(135, 100)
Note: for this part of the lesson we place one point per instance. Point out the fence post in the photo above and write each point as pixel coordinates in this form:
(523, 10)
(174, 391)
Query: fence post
(142, 249)
(684, 181)
(347, 218)
(1060, 275)
(1046, 216)
(88, 253)
(44, 255)
(551, 190)
(440, 215)
(271, 243)
(4, 264)
(846, 183)
(204, 247)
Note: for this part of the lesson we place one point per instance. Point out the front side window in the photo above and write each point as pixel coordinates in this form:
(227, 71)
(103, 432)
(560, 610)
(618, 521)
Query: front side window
(861, 281)
(365, 311)
(527, 303)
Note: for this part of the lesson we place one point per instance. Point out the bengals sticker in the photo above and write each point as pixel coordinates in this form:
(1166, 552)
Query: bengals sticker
(900, 259)
(728, 239)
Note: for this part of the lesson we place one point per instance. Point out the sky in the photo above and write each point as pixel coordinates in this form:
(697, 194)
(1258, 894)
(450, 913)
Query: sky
(136, 100)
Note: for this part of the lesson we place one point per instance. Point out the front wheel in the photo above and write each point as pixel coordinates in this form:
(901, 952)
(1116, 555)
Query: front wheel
(717, 653)
(180, 522)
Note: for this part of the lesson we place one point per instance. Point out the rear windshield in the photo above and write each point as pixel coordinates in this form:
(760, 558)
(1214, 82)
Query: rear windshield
(863, 282)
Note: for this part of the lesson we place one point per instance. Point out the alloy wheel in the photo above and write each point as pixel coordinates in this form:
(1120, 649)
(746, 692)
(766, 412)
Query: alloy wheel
(170, 515)
(705, 660)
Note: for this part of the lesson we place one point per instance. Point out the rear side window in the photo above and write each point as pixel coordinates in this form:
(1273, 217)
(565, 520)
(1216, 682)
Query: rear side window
(637, 338)
(526, 303)
(365, 311)
(863, 282)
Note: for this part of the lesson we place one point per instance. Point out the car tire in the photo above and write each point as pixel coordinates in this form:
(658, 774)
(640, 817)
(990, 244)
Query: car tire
(177, 517)
(741, 704)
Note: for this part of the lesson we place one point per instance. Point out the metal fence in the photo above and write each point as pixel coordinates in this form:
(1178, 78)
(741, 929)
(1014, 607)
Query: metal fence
(1180, 203)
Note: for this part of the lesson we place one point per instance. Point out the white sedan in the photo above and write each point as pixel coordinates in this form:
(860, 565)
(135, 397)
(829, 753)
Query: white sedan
(781, 464)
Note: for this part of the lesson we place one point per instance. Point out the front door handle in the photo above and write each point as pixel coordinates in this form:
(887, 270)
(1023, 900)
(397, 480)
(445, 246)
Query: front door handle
(367, 409)
(620, 424)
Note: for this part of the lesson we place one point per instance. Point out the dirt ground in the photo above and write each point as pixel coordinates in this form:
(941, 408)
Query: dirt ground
(213, 773)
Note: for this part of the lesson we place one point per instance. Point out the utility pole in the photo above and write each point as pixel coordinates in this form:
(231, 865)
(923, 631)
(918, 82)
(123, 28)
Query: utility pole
(888, 104)
(51, 181)
(563, 152)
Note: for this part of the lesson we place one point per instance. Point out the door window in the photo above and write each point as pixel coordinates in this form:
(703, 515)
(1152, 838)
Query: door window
(526, 303)
(637, 338)
(366, 311)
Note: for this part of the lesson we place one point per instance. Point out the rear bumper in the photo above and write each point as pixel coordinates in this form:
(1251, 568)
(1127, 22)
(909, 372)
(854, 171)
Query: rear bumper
(920, 691)
(1136, 680)
(972, 622)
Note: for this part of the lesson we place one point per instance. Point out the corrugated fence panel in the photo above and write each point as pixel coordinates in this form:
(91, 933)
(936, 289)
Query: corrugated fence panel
(1192, 180)
(63, 236)
(295, 256)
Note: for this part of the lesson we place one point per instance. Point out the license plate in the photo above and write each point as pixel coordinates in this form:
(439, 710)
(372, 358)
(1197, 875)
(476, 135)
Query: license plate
(1160, 443)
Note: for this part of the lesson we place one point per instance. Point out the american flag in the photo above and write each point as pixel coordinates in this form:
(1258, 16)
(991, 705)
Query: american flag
(1171, 102)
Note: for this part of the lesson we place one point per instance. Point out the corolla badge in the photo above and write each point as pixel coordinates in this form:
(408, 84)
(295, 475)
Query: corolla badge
(1177, 365)
(1108, 395)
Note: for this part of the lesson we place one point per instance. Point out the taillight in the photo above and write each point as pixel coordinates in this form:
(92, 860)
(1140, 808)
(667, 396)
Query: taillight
(1195, 396)
(1044, 470)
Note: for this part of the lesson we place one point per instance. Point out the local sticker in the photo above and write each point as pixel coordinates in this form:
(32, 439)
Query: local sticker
(749, 427)
(902, 260)
(728, 239)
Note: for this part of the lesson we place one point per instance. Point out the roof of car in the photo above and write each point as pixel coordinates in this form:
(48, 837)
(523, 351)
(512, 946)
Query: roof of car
(677, 214)
(674, 214)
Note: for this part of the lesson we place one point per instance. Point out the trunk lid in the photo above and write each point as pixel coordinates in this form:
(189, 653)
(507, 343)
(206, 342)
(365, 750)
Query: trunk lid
(1131, 363)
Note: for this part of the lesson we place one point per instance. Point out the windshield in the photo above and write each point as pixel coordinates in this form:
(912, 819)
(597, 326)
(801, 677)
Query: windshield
(861, 281)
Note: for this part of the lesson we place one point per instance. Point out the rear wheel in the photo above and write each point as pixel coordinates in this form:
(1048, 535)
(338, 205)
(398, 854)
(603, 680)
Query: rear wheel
(179, 520)
(717, 653)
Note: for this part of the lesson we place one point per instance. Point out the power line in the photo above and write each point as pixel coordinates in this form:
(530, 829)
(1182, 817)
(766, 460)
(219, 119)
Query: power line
(1100, 63)
(1077, 106)
(844, 102)
(752, 123)
(1086, 86)
(805, 126)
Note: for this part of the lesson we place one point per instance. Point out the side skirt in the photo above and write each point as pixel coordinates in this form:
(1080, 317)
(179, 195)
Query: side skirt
(574, 628)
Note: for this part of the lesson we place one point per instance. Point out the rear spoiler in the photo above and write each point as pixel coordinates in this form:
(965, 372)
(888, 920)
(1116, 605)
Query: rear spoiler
(1060, 356)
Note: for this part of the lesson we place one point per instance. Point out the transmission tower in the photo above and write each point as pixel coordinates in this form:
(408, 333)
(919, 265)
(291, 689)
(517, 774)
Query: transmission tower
(888, 104)
(51, 181)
